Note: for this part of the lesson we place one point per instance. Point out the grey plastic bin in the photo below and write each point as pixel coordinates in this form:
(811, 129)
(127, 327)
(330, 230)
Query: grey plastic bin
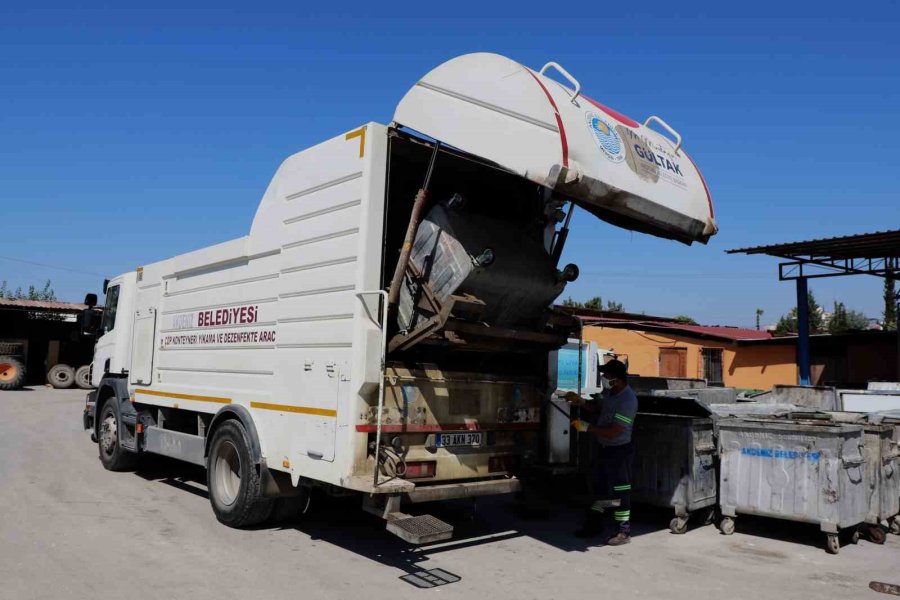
(674, 462)
(793, 470)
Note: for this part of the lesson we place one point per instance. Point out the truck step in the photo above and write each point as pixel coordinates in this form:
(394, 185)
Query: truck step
(423, 529)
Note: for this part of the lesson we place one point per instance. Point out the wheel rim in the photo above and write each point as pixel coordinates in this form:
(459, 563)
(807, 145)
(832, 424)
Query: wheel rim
(228, 473)
(61, 377)
(109, 432)
(8, 371)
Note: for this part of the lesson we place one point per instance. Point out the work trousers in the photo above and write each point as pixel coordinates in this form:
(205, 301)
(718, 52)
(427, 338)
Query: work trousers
(613, 482)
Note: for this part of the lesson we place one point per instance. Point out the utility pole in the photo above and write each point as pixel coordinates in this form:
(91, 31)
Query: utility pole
(759, 313)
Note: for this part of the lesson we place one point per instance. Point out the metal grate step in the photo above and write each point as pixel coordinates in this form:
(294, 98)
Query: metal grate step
(423, 529)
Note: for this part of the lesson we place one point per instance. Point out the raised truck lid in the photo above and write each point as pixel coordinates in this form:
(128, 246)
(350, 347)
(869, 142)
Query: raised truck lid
(611, 165)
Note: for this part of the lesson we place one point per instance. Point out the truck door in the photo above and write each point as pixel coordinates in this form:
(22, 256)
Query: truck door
(322, 424)
(106, 343)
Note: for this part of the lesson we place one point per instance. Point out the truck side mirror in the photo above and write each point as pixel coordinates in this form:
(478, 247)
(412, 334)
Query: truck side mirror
(90, 319)
(90, 300)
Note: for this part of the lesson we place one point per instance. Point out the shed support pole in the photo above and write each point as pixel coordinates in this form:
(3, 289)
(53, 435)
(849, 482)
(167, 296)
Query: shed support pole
(803, 331)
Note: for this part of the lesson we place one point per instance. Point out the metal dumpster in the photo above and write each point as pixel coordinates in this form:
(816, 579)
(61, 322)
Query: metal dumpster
(882, 479)
(674, 461)
(882, 471)
(793, 469)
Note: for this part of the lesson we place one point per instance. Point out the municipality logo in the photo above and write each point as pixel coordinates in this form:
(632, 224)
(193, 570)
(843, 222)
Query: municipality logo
(607, 137)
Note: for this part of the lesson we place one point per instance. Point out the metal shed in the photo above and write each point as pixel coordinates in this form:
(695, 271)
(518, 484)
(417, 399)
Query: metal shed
(875, 253)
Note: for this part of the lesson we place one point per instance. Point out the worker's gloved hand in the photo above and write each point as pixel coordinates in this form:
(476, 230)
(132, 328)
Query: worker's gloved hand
(580, 426)
(573, 399)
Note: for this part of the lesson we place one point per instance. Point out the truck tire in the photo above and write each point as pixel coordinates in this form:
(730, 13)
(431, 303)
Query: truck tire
(12, 373)
(233, 480)
(83, 377)
(112, 455)
(61, 376)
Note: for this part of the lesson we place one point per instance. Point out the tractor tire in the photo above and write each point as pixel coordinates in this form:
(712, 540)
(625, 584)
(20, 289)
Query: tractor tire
(61, 376)
(83, 377)
(12, 373)
(233, 480)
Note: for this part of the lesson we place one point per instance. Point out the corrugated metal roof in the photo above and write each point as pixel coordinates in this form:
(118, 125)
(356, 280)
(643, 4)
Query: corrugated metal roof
(42, 305)
(879, 244)
(732, 334)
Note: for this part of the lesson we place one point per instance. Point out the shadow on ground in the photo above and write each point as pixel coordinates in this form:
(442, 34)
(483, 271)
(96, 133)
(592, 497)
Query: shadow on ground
(342, 522)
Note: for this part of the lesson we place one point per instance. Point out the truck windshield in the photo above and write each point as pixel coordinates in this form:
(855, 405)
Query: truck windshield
(109, 311)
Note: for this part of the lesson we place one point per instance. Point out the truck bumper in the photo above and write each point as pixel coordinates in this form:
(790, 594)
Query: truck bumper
(90, 404)
(471, 489)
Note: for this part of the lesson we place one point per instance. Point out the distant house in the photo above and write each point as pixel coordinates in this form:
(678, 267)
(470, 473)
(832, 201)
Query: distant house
(738, 357)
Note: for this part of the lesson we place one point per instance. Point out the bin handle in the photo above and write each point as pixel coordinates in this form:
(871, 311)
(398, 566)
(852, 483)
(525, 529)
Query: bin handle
(668, 128)
(707, 449)
(565, 74)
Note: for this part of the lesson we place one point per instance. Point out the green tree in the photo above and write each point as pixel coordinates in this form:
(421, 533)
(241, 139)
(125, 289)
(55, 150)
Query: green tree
(889, 320)
(686, 320)
(595, 303)
(846, 320)
(788, 323)
(46, 293)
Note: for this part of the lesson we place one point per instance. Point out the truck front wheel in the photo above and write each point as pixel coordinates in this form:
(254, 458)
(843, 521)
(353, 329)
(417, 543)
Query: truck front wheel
(233, 480)
(112, 455)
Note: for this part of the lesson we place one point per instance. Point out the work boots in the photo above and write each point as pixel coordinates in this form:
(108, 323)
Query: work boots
(622, 537)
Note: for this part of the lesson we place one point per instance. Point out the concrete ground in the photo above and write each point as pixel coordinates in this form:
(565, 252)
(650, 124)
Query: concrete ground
(69, 529)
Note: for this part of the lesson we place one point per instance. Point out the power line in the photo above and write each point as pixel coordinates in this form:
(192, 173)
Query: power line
(31, 262)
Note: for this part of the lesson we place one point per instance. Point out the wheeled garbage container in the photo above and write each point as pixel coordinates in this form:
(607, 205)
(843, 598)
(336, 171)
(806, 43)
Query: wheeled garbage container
(796, 470)
(882, 478)
(674, 460)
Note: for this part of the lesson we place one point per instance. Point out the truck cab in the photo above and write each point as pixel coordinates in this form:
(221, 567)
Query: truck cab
(112, 356)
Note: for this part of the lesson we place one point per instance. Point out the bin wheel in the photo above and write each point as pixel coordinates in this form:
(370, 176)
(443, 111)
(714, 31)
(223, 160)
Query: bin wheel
(854, 537)
(710, 517)
(678, 525)
(832, 544)
(727, 525)
(875, 533)
(895, 525)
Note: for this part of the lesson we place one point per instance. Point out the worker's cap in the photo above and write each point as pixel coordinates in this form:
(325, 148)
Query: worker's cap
(614, 368)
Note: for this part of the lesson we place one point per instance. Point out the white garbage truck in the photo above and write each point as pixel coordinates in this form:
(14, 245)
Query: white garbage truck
(385, 327)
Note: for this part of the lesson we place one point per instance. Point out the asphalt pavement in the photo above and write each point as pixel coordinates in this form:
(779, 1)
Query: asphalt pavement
(70, 529)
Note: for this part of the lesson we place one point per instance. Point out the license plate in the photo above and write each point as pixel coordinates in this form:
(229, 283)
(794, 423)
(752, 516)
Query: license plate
(468, 438)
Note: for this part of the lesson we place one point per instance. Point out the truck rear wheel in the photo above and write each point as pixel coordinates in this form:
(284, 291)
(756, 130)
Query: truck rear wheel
(12, 373)
(61, 376)
(83, 377)
(112, 455)
(235, 492)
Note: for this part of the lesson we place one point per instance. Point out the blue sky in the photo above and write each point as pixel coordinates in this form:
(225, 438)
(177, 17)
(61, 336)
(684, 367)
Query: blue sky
(129, 134)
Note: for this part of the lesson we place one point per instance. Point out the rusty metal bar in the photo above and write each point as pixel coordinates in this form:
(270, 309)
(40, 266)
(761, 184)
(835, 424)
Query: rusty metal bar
(415, 218)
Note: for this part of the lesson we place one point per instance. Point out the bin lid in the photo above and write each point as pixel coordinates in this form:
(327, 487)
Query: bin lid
(617, 168)
(680, 406)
